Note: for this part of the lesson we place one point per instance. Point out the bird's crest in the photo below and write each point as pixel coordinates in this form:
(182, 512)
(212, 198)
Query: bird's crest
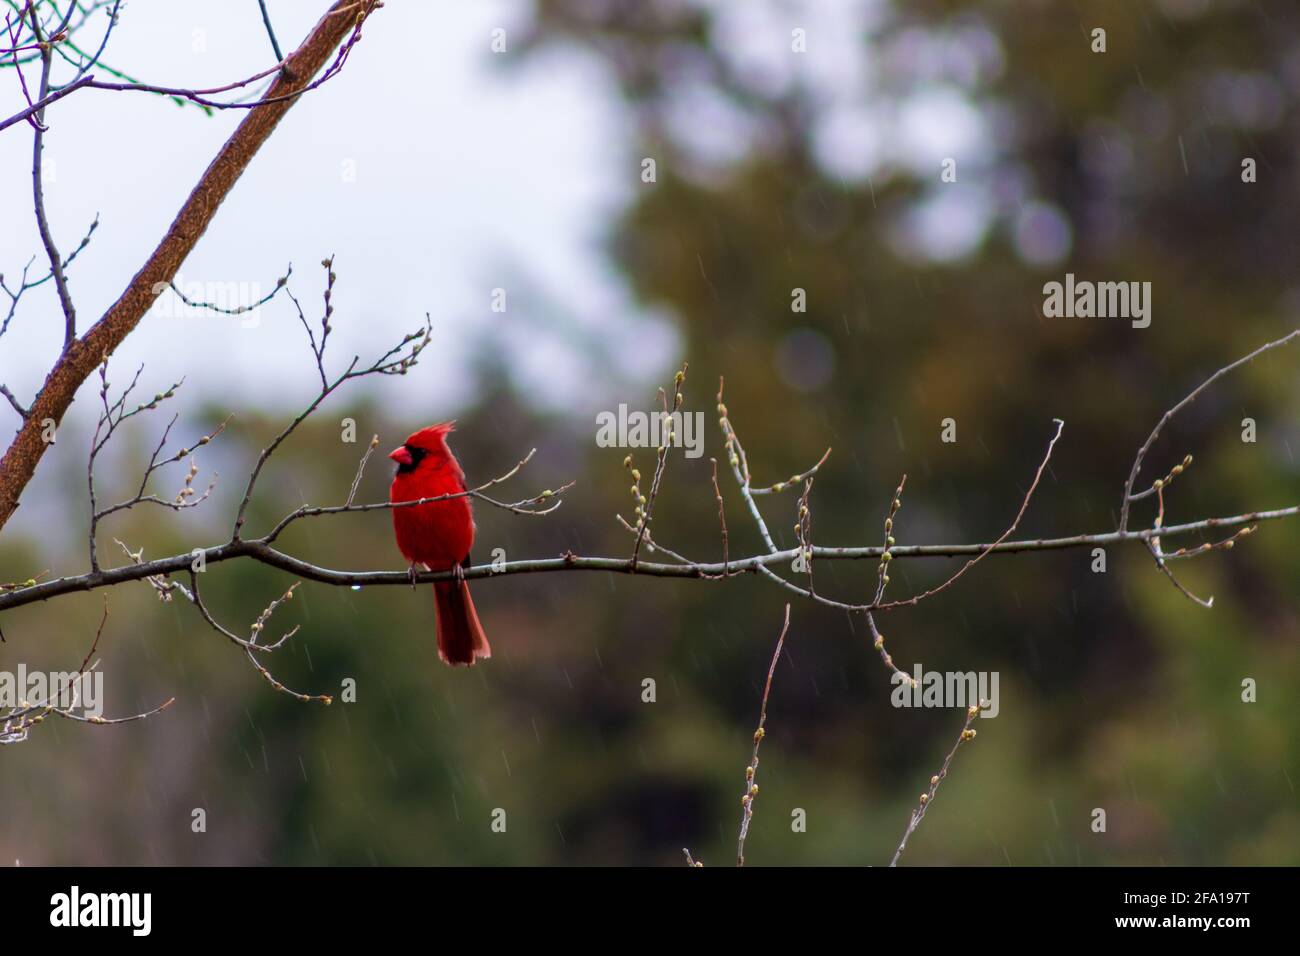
(431, 438)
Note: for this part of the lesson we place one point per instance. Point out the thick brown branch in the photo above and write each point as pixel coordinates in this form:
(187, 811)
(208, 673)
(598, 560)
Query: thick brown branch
(83, 355)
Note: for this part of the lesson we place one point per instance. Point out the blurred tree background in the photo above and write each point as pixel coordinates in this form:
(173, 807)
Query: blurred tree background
(779, 170)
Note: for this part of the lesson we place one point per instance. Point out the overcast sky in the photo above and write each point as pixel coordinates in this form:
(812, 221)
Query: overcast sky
(435, 171)
(432, 168)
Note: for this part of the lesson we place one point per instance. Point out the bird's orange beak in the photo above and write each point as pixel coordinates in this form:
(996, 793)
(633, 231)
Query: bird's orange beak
(401, 455)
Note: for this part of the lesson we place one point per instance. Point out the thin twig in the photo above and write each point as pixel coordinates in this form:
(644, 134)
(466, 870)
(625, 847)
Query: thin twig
(38, 188)
(202, 97)
(1024, 505)
(361, 468)
(270, 33)
(882, 582)
(13, 400)
(722, 515)
(1129, 497)
(751, 772)
(666, 439)
(16, 725)
(967, 733)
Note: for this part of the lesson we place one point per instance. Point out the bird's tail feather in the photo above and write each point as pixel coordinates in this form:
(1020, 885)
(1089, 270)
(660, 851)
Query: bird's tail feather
(460, 635)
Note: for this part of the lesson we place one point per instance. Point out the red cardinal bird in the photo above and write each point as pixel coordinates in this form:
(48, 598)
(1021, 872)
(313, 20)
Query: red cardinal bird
(438, 535)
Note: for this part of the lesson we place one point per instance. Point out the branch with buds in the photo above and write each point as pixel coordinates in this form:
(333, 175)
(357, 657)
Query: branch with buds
(63, 702)
(160, 573)
(967, 734)
(806, 553)
(45, 28)
(115, 412)
(260, 549)
(45, 42)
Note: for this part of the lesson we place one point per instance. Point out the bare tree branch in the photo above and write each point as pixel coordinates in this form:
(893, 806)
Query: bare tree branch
(257, 550)
(286, 68)
(1129, 496)
(16, 725)
(83, 355)
(1015, 523)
